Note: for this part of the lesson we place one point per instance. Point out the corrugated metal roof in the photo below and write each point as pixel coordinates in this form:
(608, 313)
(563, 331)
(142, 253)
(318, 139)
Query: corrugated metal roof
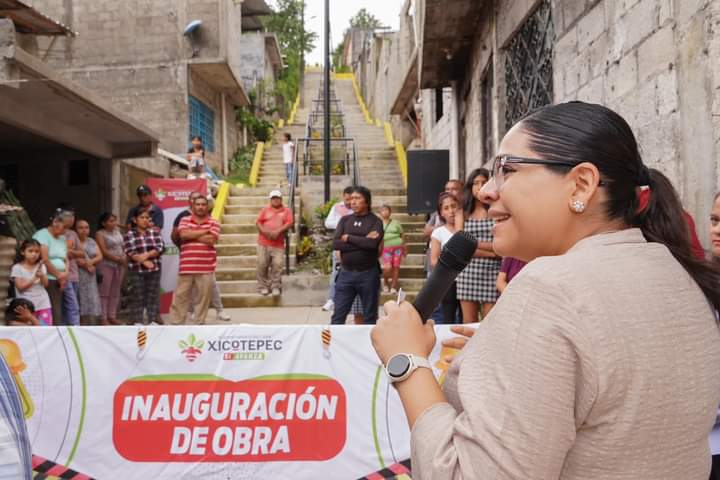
(29, 20)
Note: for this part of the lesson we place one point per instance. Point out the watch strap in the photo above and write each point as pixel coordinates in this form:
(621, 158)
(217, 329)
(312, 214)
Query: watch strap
(421, 361)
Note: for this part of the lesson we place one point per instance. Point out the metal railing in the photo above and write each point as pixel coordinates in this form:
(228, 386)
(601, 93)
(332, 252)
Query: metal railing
(343, 151)
(316, 121)
(344, 147)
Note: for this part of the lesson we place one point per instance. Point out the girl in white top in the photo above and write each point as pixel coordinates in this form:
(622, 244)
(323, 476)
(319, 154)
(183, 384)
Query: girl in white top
(288, 149)
(448, 210)
(30, 277)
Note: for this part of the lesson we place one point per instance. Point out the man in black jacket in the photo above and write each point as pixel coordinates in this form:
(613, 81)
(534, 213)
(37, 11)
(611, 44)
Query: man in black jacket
(358, 238)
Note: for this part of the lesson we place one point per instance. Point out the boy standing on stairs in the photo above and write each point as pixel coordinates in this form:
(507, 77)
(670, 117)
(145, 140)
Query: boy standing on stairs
(288, 149)
(272, 223)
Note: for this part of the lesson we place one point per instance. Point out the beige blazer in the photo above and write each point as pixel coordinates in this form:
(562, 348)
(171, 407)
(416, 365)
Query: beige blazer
(603, 363)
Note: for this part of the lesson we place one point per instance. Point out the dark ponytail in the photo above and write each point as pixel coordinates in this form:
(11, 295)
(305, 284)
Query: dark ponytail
(583, 132)
(659, 222)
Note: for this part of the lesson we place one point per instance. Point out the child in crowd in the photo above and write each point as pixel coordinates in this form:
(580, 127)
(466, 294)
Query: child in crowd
(30, 278)
(196, 159)
(393, 250)
(447, 208)
(21, 313)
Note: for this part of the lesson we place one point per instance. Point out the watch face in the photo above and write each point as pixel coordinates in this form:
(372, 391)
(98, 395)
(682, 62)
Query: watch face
(398, 365)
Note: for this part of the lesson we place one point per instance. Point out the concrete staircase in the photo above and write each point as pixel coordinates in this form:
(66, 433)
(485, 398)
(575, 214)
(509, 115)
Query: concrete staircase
(237, 253)
(379, 171)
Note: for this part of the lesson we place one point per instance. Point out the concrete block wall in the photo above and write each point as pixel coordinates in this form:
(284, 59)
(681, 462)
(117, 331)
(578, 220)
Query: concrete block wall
(255, 65)
(651, 61)
(116, 33)
(134, 53)
(438, 134)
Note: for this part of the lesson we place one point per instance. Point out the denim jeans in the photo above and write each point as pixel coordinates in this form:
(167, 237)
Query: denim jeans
(289, 172)
(350, 284)
(70, 305)
(333, 277)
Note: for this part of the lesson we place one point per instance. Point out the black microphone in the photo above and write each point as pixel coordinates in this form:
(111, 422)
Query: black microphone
(455, 256)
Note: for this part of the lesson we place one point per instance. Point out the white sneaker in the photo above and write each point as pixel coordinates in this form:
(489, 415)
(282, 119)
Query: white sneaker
(221, 315)
(386, 289)
(276, 292)
(393, 291)
(329, 306)
(264, 292)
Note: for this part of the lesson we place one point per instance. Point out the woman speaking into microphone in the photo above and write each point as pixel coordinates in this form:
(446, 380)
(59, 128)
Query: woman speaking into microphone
(601, 360)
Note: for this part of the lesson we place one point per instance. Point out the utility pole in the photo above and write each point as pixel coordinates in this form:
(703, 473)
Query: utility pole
(326, 134)
(301, 91)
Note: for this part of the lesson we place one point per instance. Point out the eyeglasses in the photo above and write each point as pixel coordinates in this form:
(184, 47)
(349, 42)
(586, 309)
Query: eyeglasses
(501, 162)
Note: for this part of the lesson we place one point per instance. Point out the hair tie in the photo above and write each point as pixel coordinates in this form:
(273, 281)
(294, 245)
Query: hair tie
(643, 199)
(643, 178)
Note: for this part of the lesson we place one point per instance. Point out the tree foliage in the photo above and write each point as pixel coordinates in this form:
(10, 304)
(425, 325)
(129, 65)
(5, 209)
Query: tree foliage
(365, 20)
(287, 24)
(337, 55)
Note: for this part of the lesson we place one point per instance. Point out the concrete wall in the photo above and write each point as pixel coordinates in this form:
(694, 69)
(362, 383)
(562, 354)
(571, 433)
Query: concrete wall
(651, 61)
(439, 134)
(256, 67)
(134, 53)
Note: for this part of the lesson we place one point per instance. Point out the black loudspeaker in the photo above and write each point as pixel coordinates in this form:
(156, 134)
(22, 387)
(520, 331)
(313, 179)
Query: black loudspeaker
(428, 172)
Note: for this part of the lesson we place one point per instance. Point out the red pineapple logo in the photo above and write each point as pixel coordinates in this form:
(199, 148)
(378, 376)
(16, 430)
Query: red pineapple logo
(192, 348)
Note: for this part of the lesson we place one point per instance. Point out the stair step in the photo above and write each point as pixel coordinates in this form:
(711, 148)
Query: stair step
(249, 300)
(235, 275)
(243, 249)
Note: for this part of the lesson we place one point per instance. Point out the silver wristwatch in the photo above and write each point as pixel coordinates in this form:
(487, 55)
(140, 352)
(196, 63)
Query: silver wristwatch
(402, 365)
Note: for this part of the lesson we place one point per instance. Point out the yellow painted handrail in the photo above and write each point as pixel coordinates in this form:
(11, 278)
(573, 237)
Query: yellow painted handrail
(255, 169)
(389, 135)
(358, 95)
(221, 200)
(402, 161)
(344, 76)
(281, 123)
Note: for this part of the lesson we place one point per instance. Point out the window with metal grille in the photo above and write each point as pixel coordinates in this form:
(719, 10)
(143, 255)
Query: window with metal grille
(202, 123)
(528, 66)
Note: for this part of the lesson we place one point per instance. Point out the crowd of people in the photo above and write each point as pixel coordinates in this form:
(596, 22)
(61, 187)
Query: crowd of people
(369, 250)
(63, 275)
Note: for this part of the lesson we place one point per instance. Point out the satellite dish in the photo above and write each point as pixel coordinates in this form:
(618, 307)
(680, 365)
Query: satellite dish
(191, 31)
(192, 26)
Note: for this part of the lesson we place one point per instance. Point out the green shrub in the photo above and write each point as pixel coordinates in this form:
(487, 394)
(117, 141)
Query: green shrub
(323, 211)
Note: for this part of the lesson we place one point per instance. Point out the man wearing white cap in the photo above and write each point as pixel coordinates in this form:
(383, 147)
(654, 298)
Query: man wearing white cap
(272, 223)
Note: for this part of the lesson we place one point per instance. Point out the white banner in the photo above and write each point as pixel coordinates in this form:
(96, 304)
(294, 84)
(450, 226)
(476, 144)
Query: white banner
(210, 402)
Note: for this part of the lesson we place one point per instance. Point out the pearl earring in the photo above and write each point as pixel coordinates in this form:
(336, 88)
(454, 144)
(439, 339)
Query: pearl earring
(578, 206)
